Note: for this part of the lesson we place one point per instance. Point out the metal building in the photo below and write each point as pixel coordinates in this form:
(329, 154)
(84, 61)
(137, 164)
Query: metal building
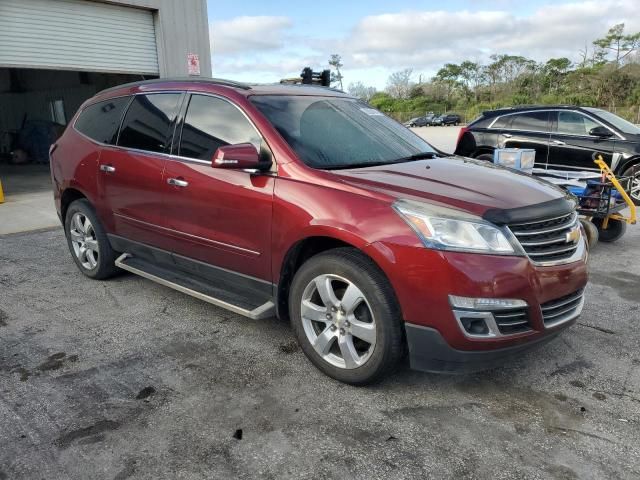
(54, 54)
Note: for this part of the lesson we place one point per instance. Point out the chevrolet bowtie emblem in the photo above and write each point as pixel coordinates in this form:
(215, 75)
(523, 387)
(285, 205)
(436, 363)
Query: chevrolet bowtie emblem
(573, 236)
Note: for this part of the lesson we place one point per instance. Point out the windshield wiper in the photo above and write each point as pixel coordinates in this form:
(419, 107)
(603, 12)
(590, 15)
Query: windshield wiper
(415, 156)
(410, 158)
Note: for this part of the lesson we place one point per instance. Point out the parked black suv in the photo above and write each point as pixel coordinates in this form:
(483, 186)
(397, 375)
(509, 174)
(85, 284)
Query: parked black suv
(449, 119)
(564, 138)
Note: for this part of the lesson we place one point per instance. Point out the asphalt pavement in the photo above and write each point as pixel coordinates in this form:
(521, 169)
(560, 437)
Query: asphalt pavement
(128, 379)
(444, 138)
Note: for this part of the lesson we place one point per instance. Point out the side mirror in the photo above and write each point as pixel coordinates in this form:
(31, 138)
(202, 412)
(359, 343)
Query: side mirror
(601, 132)
(243, 156)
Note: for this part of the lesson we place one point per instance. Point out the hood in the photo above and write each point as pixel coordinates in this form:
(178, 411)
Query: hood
(466, 184)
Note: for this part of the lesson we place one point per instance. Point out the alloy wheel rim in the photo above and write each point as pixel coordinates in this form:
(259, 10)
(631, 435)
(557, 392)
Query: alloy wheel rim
(84, 241)
(338, 321)
(635, 187)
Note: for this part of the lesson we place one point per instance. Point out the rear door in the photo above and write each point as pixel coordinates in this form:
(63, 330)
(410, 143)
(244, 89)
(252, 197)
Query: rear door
(131, 173)
(218, 216)
(571, 146)
(526, 130)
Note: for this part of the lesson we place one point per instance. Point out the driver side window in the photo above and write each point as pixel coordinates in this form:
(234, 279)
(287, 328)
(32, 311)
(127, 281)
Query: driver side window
(211, 123)
(574, 123)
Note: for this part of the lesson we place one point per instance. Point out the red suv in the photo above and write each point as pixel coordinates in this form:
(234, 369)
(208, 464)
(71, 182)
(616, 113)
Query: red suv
(305, 203)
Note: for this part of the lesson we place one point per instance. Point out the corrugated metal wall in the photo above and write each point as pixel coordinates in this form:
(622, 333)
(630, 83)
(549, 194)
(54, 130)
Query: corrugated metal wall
(77, 35)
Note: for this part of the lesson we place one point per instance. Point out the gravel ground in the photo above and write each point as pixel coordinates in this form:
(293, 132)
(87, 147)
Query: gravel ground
(128, 379)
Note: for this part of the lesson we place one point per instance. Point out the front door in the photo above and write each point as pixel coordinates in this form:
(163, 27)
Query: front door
(131, 173)
(572, 148)
(218, 216)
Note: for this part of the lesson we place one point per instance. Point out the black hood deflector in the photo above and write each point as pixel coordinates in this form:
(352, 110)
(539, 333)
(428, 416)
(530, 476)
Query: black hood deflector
(532, 213)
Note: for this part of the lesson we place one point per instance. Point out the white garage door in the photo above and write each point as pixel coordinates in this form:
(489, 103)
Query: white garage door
(77, 35)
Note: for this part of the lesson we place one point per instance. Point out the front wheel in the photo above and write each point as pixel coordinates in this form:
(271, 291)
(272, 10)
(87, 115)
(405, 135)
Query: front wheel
(346, 317)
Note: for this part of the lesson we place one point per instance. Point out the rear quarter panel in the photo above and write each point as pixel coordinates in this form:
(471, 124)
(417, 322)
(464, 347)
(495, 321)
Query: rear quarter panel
(74, 164)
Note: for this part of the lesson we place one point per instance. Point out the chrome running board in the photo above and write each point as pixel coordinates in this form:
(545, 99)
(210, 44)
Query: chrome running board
(199, 289)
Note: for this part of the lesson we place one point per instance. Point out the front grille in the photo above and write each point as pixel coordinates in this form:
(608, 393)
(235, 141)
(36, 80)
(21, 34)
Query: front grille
(548, 240)
(512, 321)
(562, 309)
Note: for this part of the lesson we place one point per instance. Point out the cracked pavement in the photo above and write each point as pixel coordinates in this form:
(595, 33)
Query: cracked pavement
(128, 379)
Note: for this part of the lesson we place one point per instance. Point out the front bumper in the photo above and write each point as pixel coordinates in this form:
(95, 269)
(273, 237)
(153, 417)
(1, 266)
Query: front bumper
(423, 280)
(429, 352)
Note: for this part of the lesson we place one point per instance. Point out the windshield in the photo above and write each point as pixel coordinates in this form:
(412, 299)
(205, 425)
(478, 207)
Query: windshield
(335, 132)
(620, 123)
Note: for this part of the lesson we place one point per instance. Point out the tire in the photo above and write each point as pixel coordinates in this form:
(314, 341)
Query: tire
(635, 187)
(88, 243)
(615, 229)
(590, 232)
(487, 157)
(362, 341)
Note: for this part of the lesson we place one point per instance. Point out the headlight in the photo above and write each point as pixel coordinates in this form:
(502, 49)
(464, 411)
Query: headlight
(448, 229)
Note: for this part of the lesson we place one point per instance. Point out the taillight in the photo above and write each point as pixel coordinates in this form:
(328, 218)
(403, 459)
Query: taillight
(463, 130)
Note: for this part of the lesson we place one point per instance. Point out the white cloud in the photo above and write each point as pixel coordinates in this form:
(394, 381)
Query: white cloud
(427, 39)
(422, 40)
(248, 34)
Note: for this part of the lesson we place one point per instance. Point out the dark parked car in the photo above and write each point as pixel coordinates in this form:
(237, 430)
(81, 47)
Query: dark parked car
(412, 122)
(450, 119)
(564, 138)
(420, 121)
(305, 203)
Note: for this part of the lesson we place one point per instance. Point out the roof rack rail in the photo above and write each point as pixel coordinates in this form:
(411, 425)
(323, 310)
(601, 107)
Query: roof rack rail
(214, 81)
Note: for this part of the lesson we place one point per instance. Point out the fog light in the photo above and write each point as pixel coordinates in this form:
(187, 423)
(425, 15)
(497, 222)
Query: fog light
(475, 326)
(485, 304)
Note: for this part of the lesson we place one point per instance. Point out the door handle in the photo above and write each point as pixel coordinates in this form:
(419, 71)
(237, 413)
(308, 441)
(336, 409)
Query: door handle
(558, 142)
(176, 182)
(507, 135)
(107, 168)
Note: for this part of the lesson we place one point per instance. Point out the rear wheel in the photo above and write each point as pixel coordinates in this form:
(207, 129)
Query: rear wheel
(346, 317)
(88, 241)
(615, 229)
(635, 185)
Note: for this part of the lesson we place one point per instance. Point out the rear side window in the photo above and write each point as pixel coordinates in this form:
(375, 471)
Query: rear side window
(503, 122)
(531, 122)
(211, 123)
(101, 120)
(148, 124)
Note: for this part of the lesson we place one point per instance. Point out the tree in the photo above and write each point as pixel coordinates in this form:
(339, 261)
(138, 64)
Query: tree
(336, 77)
(360, 90)
(617, 42)
(399, 83)
(472, 76)
(554, 71)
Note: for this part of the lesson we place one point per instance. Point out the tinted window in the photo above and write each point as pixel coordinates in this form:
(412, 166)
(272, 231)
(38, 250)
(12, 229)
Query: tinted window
(531, 122)
(101, 120)
(148, 122)
(211, 123)
(574, 123)
(503, 122)
(337, 132)
(620, 123)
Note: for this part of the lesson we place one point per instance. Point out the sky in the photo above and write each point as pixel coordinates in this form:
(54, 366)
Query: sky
(265, 41)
